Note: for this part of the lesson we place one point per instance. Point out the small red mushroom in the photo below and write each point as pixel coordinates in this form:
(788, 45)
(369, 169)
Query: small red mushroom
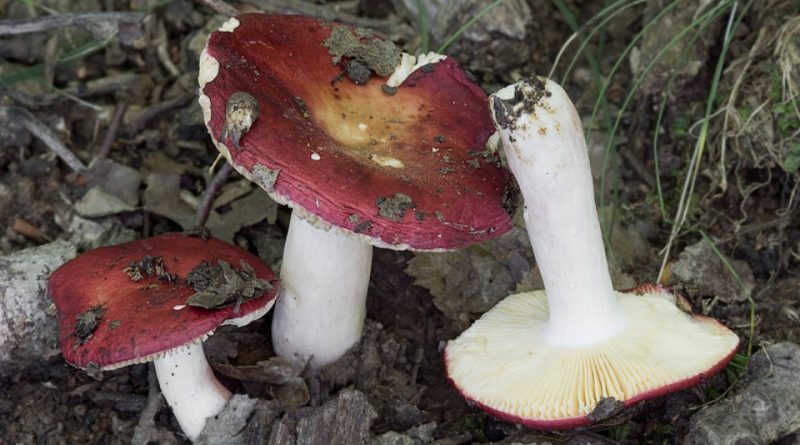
(576, 352)
(369, 146)
(157, 299)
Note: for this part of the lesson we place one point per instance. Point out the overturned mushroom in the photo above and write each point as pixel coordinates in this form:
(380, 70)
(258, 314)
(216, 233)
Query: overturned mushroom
(579, 350)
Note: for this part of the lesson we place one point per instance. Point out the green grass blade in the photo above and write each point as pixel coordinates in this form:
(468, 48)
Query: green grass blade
(709, 15)
(76, 53)
(688, 187)
(422, 24)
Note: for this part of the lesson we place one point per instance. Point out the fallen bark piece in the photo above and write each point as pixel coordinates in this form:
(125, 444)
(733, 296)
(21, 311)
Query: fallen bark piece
(344, 421)
(243, 421)
(764, 410)
(418, 435)
(28, 329)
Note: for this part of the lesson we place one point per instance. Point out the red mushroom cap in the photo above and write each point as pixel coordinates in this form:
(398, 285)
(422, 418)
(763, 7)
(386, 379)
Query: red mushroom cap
(123, 321)
(403, 170)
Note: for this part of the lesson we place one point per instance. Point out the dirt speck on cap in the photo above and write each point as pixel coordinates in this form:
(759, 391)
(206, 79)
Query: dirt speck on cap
(391, 91)
(219, 285)
(87, 322)
(148, 267)
(241, 111)
(360, 225)
(357, 72)
(301, 105)
(265, 177)
(378, 55)
(395, 206)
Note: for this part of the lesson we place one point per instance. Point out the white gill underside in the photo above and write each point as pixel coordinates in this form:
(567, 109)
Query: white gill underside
(504, 362)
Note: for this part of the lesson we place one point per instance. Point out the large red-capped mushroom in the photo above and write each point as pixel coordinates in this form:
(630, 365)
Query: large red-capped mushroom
(369, 146)
(567, 356)
(156, 300)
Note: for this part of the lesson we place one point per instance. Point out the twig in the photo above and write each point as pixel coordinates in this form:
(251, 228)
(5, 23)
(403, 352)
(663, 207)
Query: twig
(163, 56)
(204, 208)
(636, 165)
(86, 20)
(43, 133)
(221, 7)
(153, 111)
(74, 90)
(111, 134)
(146, 430)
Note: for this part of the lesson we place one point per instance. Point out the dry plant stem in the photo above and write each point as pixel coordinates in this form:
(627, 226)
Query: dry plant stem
(320, 311)
(43, 133)
(550, 161)
(146, 431)
(221, 7)
(639, 168)
(51, 57)
(75, 90)
(730, 108)
(190, 388)
(111, 134)
(204, 208)
(154, 111)
(86, 20)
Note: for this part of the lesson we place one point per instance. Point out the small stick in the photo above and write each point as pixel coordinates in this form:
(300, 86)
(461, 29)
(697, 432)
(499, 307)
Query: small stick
(111, 134)
(146, 430)
(156, 110)
(43, 133)
(86, 20)
(221, 7)
(74, 90)
(204, 208)
(638, 168)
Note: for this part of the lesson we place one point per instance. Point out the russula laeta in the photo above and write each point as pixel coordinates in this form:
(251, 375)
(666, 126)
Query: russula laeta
(126, 304)
(369, 146)
(557, 358)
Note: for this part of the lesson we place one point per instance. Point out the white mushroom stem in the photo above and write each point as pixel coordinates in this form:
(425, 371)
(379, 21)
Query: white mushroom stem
(321, 307)
(546, 151)
(190, 388)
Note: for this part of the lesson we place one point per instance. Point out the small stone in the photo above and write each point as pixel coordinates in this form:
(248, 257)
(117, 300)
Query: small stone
(765, 409)
(80, 409)
(701, 271)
